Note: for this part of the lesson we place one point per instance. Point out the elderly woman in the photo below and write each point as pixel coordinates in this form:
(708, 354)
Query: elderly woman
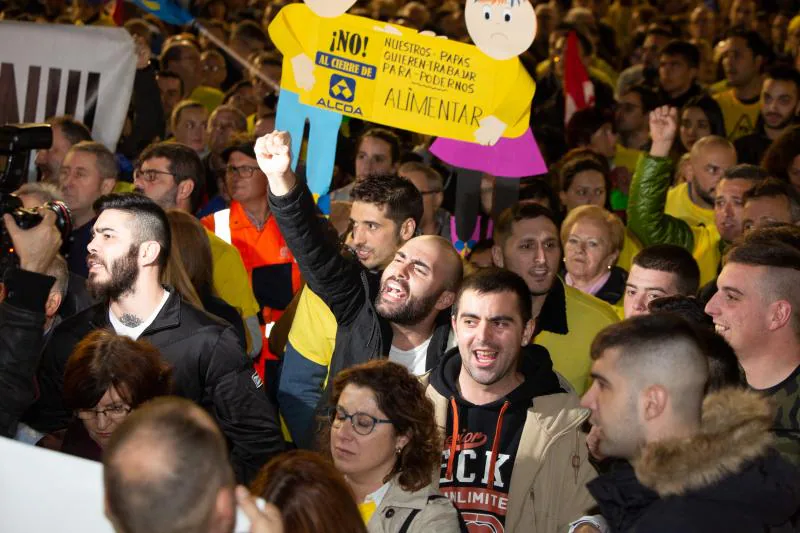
(384, 439)
(106, 377)
(592, 239)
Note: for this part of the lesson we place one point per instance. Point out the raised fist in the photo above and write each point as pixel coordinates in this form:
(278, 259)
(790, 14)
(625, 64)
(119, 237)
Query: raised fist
(274, 156)
(663, 124)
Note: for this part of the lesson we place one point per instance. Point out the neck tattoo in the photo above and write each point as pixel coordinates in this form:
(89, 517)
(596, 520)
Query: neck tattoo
(130, 321)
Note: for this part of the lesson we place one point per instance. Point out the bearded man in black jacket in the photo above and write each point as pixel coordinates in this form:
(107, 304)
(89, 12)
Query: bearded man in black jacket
(129, 250)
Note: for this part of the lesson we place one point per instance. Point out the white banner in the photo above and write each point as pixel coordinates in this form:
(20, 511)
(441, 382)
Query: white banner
(56, 69)
(43, 491)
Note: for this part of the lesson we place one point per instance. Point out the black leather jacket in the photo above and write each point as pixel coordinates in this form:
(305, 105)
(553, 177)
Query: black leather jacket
(21, 338)
(209, 368)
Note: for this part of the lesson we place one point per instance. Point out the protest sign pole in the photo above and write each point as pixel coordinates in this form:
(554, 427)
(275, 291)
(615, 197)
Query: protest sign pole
(236, 56)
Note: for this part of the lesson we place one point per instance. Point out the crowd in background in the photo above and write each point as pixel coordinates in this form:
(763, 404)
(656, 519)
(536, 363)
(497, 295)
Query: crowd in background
(619, 350)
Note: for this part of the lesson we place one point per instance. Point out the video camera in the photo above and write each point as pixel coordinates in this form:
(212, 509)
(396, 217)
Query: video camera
(16, 143)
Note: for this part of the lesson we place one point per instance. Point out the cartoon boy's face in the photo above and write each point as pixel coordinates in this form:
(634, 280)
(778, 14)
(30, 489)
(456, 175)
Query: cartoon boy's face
(502, 29)
(330, 8)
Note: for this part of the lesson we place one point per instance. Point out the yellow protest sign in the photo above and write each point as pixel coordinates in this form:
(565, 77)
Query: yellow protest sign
(396, 77)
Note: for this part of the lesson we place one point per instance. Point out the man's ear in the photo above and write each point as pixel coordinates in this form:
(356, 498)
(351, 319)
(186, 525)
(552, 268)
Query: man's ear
(223, 518)
(445, 300)
(53, 303)
(107, 185)
(497, 256)
(407, 229)
(185, 189)
(527, 333)
(148, 253)
(655, 401)
(780, 314)
(438, 199)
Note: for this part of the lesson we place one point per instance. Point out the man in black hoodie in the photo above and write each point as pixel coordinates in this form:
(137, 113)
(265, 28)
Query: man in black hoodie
(515, 457)
(699, 462)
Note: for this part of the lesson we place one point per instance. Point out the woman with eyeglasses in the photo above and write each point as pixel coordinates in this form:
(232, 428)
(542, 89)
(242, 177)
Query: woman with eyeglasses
(106, 377)
(384, 440)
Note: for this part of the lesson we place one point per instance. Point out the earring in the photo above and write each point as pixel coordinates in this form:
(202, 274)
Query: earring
(609, 267)
(398, 450)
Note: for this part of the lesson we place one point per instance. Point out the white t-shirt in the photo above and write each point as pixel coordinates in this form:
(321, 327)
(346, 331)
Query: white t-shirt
(413, 359)
(134, 333)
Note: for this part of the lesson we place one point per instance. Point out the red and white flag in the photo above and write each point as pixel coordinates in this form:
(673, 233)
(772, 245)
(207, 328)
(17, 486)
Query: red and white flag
(578, 88)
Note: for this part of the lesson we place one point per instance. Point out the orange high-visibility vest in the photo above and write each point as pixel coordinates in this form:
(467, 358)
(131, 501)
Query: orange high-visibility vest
(274, 274)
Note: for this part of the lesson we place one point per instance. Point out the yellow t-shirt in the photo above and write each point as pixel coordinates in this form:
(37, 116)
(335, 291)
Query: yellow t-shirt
(706, 252)
(123, 187)
(210, 97)
(740, 118)
(627, 157)
(288, 31)
(586, 317)
(313, 332)
(680, 205)
(630, 247)
(230, 277)
(719, 87)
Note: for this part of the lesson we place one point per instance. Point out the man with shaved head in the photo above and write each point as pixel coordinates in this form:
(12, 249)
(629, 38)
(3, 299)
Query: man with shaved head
(694, 458)
(404, 315)
(166, 469)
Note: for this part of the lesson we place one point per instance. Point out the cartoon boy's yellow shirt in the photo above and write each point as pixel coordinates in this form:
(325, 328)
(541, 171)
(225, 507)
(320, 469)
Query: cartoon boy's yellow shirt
(393, 76)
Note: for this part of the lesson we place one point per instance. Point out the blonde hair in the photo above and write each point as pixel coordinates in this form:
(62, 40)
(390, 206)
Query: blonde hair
(594, 213)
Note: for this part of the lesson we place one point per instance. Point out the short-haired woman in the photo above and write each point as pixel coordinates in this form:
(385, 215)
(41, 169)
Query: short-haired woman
(592, 239)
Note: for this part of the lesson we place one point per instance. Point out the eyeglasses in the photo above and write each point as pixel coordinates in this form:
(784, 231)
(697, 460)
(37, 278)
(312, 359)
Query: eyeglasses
(149, 175)
(362, 423)
(114, 412)
(243, 171)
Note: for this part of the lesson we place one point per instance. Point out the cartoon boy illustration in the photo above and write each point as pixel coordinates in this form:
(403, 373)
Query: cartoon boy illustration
(504, 145)
(289, 31)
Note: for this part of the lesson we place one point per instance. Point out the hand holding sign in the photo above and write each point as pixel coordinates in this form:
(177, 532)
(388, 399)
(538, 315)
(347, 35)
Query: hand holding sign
(303, 72)
(274, 156)
(490, 130)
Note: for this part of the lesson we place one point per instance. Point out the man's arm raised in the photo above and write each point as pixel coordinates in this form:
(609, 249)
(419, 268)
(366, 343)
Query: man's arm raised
(651, 181)
(313, 243)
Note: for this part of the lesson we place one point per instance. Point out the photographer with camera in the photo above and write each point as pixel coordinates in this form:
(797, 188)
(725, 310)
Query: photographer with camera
(22, 315)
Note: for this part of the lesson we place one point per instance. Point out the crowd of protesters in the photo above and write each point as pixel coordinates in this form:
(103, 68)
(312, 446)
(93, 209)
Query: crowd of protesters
(618, 350)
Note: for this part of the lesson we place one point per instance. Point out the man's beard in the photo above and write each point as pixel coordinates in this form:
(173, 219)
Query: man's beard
(168, 200)
(783, 124)
(706, 196)
(124, 272)
(412, 312)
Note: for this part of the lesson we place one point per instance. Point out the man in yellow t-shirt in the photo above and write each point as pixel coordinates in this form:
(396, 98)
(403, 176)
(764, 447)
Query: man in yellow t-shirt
(745, 57)
(567, 320)
(693, 201)
(646, 216)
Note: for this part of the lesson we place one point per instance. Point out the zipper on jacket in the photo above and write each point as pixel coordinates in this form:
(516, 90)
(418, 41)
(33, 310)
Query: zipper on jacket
(576, 458)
